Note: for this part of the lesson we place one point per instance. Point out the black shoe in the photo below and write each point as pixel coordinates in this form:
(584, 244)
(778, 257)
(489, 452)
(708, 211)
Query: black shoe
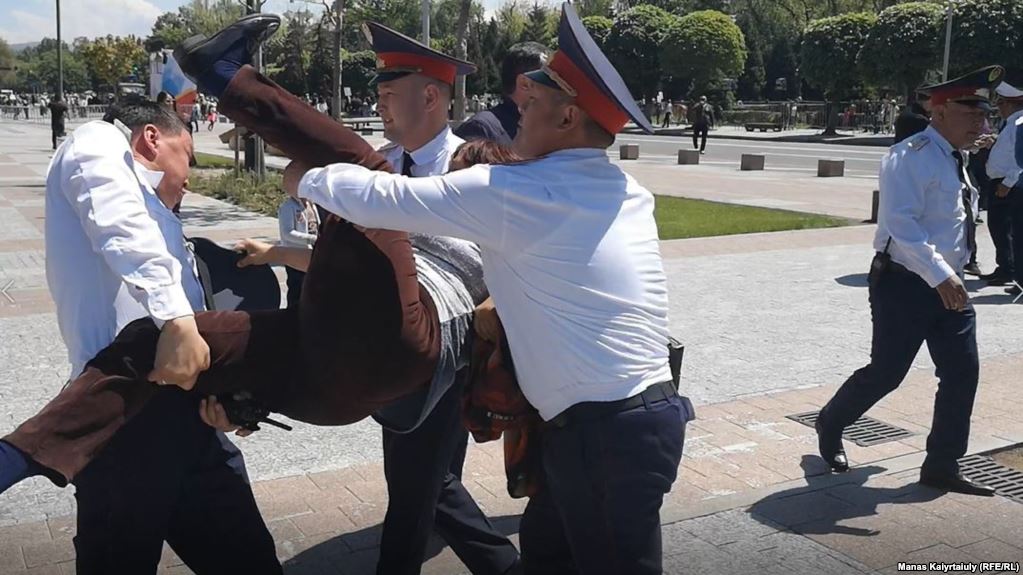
(972, 269)
(996, 278)
(198, 54)
(1012, 290)
(830, 447)
(955, 483)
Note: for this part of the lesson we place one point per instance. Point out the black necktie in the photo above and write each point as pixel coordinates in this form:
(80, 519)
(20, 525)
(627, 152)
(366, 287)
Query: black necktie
(406, 164)
(971, 222)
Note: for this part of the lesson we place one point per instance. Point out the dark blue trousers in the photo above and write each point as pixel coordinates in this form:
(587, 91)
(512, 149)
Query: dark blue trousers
(167, 476)
(999, 224)
(1015, 199)
(906, 312)
(425, 492)
(605, 480)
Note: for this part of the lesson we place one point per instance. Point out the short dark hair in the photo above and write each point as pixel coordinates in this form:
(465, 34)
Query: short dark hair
(136, 111)
(521, 58)
(485, 152)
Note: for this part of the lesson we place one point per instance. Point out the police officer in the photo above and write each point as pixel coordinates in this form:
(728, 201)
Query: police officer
(925, 233)
(501, 123)
(914, 118)
(1006, 212)
(571, 255)
(423, 466)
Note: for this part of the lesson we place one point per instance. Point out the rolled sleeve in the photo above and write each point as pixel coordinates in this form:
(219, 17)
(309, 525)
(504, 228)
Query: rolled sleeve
(461, 204)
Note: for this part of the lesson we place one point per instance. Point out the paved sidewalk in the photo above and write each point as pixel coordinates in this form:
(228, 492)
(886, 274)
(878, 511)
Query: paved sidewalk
(773, 324)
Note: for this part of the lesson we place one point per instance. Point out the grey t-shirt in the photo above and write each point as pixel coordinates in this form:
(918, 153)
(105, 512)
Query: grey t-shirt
(451, 270)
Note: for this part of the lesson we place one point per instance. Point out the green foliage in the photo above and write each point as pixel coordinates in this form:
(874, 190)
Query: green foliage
(903, 45)
(38, 71)
(829, 51)
(599, 27)
(109, 60)
(205, 161)
(7, 64)
(538, 25)
(195, 17)
(357, 71)
(986, 32)
(633, 46)
(602, 8)
(686, 218)
(321, 61)
(293, 62)
(244, 190)
(704, 47)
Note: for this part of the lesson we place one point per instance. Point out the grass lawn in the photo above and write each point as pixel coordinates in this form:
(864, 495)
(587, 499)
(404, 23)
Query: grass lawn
(686, 218)
(260, 197)
(203, 160)
(676, 217)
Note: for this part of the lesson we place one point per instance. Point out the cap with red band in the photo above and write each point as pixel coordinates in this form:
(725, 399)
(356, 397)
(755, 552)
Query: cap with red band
(973, 89)
(398, 55)
(580, 69)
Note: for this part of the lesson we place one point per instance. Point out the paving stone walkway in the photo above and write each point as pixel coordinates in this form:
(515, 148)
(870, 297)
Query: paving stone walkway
(773, 324)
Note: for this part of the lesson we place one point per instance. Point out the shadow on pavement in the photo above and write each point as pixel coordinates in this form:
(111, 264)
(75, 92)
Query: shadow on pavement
(852, 280)
(356, 553)
(828, 499)
(993, 299)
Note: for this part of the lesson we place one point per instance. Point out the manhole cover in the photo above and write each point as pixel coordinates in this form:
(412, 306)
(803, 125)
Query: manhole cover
(865, 431)
(1006, 481)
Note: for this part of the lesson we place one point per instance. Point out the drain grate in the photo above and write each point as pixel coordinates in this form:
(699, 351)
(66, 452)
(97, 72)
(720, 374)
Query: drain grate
(1006, 481)
(865, 431)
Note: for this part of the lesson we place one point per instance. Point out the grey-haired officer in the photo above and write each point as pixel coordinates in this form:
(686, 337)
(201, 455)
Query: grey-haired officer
(925, 233)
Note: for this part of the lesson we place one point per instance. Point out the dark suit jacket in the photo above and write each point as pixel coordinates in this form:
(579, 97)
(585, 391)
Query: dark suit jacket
(498, 124)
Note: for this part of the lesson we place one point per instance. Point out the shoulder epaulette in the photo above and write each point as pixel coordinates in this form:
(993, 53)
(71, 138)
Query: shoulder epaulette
(918, 143)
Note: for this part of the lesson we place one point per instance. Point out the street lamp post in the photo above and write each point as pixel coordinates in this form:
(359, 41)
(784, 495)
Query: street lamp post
(948, 40)
(258, 158)
(60, 59)
(426, 23)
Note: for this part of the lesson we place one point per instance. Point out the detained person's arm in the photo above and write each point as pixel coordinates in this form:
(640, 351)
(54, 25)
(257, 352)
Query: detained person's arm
(108, 199)
(461, 204)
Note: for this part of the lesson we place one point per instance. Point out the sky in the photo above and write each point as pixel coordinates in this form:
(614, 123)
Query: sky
(32, 20)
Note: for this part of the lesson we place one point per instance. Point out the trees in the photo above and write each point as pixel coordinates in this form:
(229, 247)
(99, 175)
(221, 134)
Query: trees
(703, 48)
(292, 64)
(828, 55)
(111, 59)
(986, 32)
(903, 46)
(358, 70)
(634, 47)
(538, 25)
(7, 65)
(39, 72)
(599, 27)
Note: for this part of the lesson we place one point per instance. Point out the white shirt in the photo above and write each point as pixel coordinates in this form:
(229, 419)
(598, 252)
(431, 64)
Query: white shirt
(1002, 161)
(570, 254)
(114, 252)
(431, 159)
(921, 208)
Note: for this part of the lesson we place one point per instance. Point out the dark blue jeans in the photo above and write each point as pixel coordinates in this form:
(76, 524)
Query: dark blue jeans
(605, 480)
(906, 312)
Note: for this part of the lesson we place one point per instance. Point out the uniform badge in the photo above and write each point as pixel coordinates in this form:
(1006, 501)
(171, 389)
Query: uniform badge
(994, 74)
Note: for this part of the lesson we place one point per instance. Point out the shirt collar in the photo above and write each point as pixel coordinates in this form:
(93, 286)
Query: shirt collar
(430, 152)
(151, 177)
(940, 140)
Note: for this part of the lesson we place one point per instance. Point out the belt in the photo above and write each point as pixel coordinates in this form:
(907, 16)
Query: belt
(590, 410)
(901, 269)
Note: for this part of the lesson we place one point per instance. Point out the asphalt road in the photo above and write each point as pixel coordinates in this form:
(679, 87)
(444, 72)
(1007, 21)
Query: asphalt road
(860, 161)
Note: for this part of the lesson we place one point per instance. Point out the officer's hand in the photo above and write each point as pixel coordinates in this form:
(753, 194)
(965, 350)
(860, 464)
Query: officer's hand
(293, 177)
(257, 253)
(1002, 190)
(181, 354)
(485, 321)
(213, 415)
(953, 293)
